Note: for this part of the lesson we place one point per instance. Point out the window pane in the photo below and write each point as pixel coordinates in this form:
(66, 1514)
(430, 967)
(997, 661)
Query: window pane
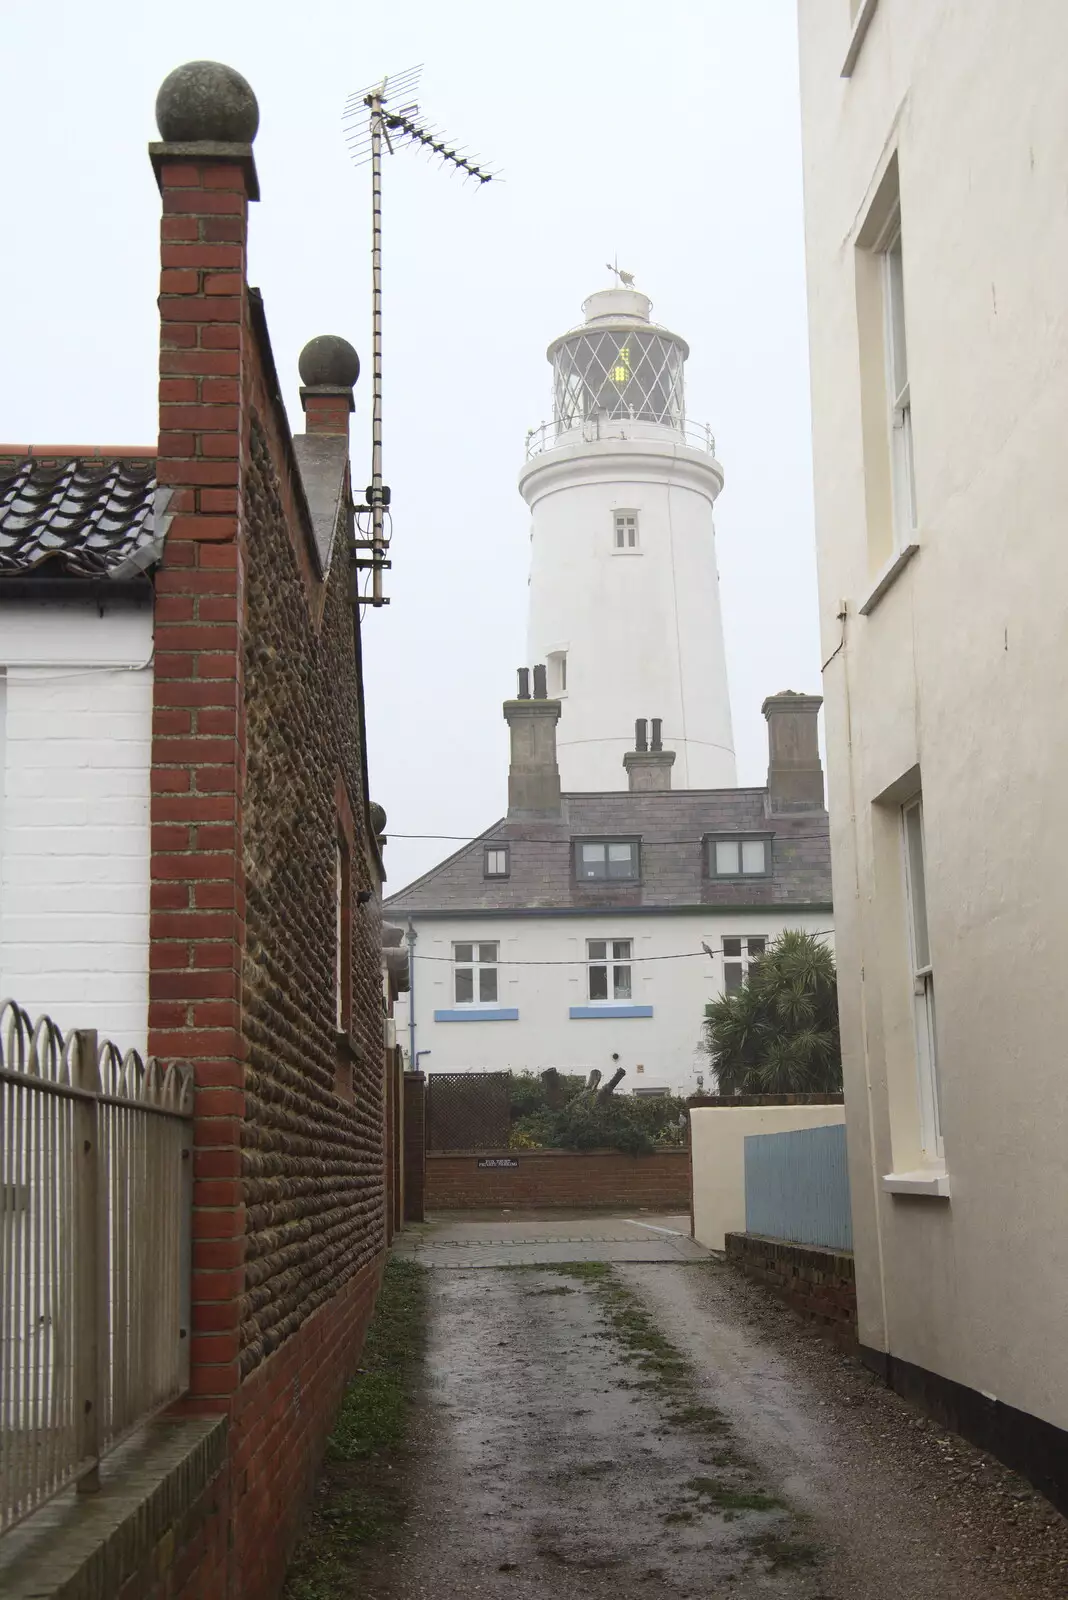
(592, 861)
(621, 949)
(487, 983)
(619, 536)
(757, 946)
(487, 952)
(598, 949)
(465, 985)
(732, 947)
(732, 976)
(726, 856)
(621, 982)
(598, 983)
(754, 858)
(621, 861)
(464, 952)
(895, 281)
(917, 885)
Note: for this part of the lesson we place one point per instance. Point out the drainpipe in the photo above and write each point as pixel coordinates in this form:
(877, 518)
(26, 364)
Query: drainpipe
(412, 1057)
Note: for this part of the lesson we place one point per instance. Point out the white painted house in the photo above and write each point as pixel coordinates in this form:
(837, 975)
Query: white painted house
(631, 882)
(76, 634)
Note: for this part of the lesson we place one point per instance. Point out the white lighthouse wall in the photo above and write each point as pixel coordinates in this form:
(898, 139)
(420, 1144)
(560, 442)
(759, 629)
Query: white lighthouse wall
(665, 1045)
(642, 629)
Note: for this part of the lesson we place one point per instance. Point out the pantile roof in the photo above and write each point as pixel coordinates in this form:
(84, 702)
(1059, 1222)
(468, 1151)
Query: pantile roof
(76, 515)
(672, 825)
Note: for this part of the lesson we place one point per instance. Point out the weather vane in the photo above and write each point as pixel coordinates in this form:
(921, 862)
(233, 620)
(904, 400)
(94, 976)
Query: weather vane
(625, 279)
(384, 110)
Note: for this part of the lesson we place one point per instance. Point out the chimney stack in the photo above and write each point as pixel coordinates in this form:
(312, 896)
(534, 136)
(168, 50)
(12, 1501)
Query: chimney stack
(329, 368)
(533, 775)
(648, 768)
(795, 774)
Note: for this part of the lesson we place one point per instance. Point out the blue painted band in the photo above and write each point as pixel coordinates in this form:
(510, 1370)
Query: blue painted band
(580, 1013)
(478, 1014)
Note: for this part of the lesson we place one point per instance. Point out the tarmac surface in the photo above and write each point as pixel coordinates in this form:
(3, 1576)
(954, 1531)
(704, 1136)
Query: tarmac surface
(658, 1427)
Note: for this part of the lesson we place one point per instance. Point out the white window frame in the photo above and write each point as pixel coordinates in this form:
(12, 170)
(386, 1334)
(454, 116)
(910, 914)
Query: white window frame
(922, 976)
(745, 957)
(740, 840)
(476, 965)
(626, 533)
(495, 854)
(613, 965)
(898, 392)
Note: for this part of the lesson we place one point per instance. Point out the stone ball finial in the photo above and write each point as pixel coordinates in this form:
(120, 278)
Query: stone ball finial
(378, 817)
(205, 100)
(329, 361)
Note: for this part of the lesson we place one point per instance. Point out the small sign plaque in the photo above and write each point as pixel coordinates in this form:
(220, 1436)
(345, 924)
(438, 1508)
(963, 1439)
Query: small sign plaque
(498, 1161)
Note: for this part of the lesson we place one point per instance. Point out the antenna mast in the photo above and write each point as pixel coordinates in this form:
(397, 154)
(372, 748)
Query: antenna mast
(392, 123)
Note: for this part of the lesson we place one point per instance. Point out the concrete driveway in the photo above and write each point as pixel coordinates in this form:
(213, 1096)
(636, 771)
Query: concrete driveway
(532, 1238)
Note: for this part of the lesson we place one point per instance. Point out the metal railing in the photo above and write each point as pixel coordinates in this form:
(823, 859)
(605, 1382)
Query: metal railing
(95, 1211)
(555, 436)
(797, 1187)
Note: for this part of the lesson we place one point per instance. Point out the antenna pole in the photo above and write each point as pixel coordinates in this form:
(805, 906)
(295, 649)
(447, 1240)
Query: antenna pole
(377, 509)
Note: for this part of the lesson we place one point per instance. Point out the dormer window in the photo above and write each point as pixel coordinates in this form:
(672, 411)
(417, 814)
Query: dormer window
(607, 860)
(495, 861)
(733, 856)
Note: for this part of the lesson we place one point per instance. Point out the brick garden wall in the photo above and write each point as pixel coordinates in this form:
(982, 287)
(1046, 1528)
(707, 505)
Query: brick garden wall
(818, 1283)
(258, 776)
(572, 1179)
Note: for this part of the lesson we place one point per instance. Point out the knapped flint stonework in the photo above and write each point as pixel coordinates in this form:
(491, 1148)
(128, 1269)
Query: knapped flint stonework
(311, 1161)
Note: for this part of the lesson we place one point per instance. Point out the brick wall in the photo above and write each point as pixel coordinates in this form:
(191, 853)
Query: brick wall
(575, 1179)
(258, 778)
(818, 1283)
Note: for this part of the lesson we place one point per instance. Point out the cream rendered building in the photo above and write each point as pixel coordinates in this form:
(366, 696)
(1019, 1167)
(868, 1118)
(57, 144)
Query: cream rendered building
(935, 160)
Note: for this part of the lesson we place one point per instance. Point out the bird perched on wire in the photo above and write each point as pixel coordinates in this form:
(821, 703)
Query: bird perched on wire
(625, 278)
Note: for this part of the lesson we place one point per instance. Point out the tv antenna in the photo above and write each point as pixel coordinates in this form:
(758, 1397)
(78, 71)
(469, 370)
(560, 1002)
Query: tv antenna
(387, 113)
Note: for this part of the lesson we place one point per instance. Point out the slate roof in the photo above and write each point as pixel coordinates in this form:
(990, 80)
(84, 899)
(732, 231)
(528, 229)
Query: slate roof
(672, 826)
(76, 516)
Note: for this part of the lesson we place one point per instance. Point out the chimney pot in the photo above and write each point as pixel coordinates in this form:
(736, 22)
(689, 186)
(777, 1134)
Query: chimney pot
(541, 689)
(658, 743)
(641, 739)
(524, 683)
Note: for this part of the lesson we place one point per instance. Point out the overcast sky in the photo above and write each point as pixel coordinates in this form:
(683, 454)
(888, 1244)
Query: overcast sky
(665, 132)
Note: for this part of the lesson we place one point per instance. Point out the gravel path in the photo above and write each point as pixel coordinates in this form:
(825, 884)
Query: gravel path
(561, 1449)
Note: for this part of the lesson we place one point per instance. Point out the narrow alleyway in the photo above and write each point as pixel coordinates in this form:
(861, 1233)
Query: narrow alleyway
(605, 1410)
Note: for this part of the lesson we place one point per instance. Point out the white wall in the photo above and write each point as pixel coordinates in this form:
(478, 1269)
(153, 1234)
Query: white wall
(717, 1142)
(665, 1045)
(74, 814)
(642, 629)
(957, 680)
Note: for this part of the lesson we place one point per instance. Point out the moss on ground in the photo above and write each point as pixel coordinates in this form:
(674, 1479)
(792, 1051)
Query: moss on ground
(355, 1501)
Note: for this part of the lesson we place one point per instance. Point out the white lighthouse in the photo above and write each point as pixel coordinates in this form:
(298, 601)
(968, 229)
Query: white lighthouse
(624, 591)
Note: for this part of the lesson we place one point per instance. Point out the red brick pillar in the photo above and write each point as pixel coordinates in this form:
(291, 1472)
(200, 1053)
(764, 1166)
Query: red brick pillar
(197, 924)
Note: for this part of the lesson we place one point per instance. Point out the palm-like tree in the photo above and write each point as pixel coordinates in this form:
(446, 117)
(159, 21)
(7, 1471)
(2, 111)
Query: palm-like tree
(778, 1033)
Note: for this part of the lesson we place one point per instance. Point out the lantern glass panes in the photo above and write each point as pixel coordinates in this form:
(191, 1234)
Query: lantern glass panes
(628, 373)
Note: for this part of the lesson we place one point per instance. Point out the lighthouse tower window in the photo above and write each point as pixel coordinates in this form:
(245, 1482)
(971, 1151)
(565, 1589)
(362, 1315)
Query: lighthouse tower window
(626, 530)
